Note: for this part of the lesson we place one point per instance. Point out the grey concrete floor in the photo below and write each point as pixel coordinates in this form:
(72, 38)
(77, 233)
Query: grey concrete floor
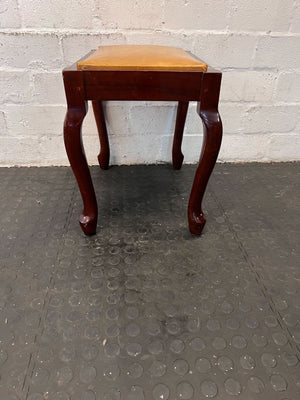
(143, 310)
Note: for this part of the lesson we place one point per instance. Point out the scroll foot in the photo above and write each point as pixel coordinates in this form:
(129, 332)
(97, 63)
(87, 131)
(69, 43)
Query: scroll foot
(88, 224)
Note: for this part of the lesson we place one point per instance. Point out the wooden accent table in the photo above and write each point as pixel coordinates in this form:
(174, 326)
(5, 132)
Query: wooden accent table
(156, 73)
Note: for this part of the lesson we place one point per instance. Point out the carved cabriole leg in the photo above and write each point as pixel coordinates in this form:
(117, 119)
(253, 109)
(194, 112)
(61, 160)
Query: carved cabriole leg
(77, 109)
(212, 130)
(177, 156)
(103, 156)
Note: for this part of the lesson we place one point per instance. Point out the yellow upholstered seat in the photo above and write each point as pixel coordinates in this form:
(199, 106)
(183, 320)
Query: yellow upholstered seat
(141, 58)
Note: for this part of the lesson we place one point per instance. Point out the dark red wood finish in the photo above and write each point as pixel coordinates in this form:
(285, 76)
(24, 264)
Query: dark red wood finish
(98, 86)
(142, 85)
(103, 156)
(207, 108)
(177, 156)
(77, 109)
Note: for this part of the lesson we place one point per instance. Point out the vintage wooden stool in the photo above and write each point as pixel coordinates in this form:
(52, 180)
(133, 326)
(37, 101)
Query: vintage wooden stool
(141, 73)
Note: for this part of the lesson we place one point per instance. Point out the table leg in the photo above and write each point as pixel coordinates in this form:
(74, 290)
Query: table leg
(103, 156)
(212, 131)
(77, 109)
(177, 156)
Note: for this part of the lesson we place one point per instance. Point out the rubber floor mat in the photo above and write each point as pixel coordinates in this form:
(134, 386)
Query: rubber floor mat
(142, 309)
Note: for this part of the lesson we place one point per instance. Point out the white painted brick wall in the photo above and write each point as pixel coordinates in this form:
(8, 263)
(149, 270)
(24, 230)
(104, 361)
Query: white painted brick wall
(131, 14)
(248, 86)
(9, 14)
(56, 14)
(278, 52)
(75, 45)
(3, 126)
(288, 88)
(33, 120)
(30, 50)
(47, 88)
(15, 86)
(226, 50)
(256, 45)
(195, 14)
(266, 16)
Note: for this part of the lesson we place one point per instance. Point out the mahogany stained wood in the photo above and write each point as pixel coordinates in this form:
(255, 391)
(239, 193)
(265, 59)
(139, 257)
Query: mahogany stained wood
(207, 109)
(142, 85)
(103, 156)
(77, 109)
(177, 156)
(185, 86)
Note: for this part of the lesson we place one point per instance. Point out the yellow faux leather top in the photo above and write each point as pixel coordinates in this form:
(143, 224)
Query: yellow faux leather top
(141, 58)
